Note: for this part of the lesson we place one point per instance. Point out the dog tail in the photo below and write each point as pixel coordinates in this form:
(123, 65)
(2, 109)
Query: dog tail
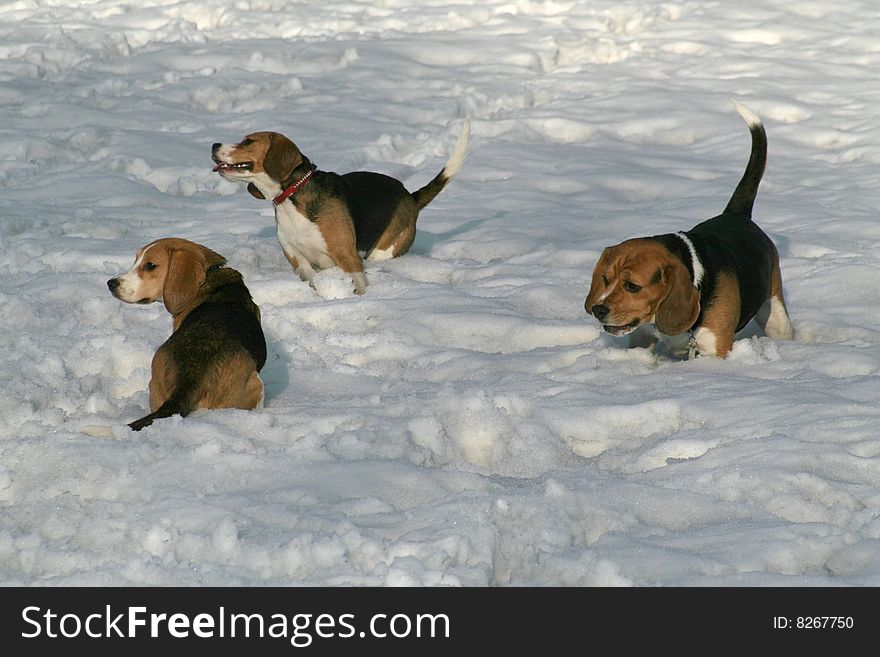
(744, 195)
(180, 402)
(427, 193)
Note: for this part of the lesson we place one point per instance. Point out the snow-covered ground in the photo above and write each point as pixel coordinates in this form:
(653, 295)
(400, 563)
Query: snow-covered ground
(464, 422)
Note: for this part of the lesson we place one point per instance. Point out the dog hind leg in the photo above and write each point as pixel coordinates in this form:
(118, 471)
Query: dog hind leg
(773, 316)
(773, 319)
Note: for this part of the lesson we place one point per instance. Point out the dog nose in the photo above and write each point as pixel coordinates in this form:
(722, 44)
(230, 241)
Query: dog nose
(215, 147)
(600, 312)
(113, 283)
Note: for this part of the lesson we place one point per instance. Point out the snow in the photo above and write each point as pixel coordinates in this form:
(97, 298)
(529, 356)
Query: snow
(464, 422)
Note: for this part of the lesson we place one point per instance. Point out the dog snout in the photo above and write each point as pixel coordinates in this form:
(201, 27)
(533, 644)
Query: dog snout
(600, 311)
(113, 283)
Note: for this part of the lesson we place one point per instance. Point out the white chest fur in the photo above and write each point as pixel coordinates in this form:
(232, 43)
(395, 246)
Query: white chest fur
(301, 238)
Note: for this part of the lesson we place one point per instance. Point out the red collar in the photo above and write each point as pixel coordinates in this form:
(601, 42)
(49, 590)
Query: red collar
(293, 189)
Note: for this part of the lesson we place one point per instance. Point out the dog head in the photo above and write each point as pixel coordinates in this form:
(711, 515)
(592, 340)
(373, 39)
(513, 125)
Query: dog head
(170, 269)
(263, 160)
(640, 281)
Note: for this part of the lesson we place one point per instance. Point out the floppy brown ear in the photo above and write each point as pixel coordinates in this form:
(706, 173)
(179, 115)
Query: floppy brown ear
(187, 269)
(597, 287)
(679, 309)
(281, 158)
(256, 193)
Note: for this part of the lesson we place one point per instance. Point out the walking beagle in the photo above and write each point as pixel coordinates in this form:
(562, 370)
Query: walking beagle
(325, 219)
(216, 348)
(698, 287)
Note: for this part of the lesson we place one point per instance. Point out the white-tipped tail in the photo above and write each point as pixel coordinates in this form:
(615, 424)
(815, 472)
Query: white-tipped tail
(427, 193)
(752, 119)
(459, 153)
(744, 195)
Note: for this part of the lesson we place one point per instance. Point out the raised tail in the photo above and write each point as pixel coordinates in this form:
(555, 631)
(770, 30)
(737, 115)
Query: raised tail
(744, 195)
(427, 193)
(180, 402)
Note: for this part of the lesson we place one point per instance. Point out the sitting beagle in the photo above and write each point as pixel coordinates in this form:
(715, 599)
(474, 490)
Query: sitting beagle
(325, 219)
(698, 287)
(216, 348)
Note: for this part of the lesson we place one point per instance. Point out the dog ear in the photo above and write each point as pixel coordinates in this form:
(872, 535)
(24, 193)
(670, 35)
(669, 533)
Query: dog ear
(679, 309)
(187, 270)
(282, 157)
(597, 287)
(256, 193)
(185, 276)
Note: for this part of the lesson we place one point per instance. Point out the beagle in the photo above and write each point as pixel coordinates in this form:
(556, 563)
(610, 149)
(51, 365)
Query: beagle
(325, 219)
(698, 287)
(216, 348)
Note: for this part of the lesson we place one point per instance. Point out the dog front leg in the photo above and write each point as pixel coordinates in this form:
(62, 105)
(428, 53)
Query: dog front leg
(349, 260)
(301, 268)
(354, 267)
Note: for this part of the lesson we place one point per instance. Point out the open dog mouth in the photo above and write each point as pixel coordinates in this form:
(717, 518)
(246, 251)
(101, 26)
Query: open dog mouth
(622, 329)
(230, 166)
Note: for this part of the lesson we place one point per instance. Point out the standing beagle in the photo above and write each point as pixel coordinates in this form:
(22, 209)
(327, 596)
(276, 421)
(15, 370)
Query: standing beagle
(698, 287)
(216, 348)
(325, 219)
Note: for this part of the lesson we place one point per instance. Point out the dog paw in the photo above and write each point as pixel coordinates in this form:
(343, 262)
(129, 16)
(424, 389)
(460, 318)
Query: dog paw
(360, 282)
(335, 284)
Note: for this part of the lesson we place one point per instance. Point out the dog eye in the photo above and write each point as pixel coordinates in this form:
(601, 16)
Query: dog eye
(150, 266)
(631, 287)
(246, 142)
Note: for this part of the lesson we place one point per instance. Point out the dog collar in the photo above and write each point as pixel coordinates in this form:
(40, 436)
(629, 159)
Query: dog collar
(294, 188)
